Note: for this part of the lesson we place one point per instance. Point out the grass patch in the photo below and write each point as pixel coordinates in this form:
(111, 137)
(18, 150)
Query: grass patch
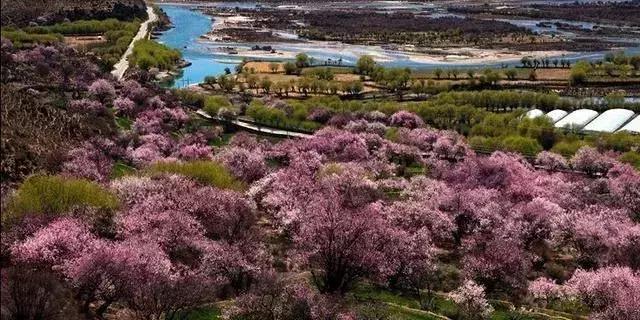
(205, 172)
(407, 307)
(571, 308)
(366, 291)
(414, 170)
(124, 123)
(401, 306)
(201, 313)
(57, 195)
(19, 38)
(397, 312)
(222, 140)
(121, 169)
(444, 306)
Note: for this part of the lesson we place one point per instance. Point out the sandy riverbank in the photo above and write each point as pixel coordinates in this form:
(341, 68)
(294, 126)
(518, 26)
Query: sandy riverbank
(350, 53)
(478, 56)
(323, 50)
(232, 21)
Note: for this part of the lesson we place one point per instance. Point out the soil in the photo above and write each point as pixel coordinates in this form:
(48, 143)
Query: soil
(81, 42)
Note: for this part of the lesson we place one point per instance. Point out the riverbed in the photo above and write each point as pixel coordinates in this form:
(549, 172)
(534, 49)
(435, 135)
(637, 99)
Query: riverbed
(209, 59)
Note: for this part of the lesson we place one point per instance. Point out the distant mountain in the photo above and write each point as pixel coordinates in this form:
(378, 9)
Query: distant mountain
(24, 12)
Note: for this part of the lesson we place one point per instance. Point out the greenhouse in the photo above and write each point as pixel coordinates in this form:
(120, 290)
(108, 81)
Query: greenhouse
(633, 126)
(577, 119)
(531, 114)
(556, 115)
(610, 120)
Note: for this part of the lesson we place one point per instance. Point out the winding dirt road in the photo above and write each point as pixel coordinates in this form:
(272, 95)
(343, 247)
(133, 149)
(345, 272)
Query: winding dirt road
(121, 67)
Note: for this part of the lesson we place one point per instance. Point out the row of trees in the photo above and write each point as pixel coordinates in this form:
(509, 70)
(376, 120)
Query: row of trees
(584, 70)
(485, 76)
(528, 62)
(400, 80)
(305, 85)
(85, 27)
(509, 100)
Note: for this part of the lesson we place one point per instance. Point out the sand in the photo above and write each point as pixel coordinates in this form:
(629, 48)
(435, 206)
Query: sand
(480, 56)
(221, 22)
(351, 52)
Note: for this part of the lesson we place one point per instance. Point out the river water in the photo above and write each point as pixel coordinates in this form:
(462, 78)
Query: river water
(189, 25)
(207, 58)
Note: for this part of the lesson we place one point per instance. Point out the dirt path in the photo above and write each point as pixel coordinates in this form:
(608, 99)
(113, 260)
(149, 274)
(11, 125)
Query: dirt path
(121, 67)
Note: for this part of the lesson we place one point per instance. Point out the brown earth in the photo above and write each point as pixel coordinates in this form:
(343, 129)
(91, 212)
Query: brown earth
(81, 42)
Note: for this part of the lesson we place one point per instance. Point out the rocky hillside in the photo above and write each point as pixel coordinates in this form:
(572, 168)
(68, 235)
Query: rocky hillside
(23, 12)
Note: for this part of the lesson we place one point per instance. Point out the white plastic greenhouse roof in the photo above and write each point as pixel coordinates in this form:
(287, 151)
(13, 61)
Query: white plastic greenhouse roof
(609, 120)
(534, 113)
(632, 126)
(557, 114)
(577, 119)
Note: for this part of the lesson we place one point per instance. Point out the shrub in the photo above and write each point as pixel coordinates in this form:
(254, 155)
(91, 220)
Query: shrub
(406, 119)
(86, 106)
(124, 106)
(56, 195)
(632, 158)
(522, 145)
(205, 172)
(551, 161)
(590, 161)
(278, 118)
(579, 72)
(620, 141)
(484, 144)
(290, 68)
(247, 165)
(365, 65)
(568, 148)
(212, 104)
(471, 299)
(102, 90)
(321, 73)
(191, 98)
(302, 60)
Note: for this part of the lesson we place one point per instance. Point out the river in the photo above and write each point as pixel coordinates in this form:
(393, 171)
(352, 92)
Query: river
(189, 25)
(207, 58)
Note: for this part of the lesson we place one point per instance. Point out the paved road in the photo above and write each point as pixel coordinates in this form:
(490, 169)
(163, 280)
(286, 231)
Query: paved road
(256, 128)
(121, 67)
